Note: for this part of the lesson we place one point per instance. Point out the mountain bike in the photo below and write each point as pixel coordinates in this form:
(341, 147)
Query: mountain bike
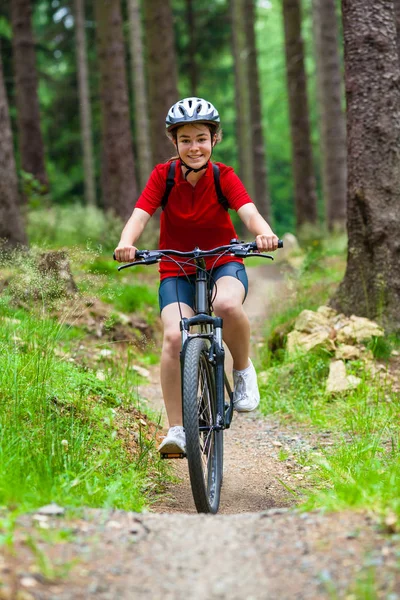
(207, 397)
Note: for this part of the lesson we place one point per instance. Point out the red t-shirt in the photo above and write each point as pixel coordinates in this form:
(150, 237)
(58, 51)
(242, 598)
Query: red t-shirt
(193, 215)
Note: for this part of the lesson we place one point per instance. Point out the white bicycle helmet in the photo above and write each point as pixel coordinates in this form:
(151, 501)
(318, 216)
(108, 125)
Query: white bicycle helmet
(191, 110)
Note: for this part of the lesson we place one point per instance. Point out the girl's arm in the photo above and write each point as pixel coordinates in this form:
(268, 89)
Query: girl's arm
(125, 251)
(265, 238)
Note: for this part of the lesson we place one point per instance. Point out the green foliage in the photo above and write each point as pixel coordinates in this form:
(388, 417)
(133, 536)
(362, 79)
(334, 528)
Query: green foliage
(34, 191)
(5, 28)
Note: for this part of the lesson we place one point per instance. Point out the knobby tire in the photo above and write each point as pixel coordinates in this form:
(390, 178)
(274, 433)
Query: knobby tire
(204, 449)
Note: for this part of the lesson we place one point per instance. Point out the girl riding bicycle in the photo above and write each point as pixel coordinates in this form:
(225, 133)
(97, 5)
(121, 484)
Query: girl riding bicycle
(194, 216)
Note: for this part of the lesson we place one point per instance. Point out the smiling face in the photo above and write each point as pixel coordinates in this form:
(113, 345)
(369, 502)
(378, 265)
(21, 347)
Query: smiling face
(194, 144)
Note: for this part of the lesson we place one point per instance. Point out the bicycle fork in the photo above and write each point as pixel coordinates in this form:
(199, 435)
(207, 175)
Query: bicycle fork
(224, 412)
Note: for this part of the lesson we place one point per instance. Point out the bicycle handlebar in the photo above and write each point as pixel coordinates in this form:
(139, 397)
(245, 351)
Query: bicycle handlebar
(235, 248)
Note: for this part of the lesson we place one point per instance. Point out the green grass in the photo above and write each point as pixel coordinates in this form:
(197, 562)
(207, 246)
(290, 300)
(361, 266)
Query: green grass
(76, 225)
(62, 426)
(58, 434)
(130, 298)
(360, 469)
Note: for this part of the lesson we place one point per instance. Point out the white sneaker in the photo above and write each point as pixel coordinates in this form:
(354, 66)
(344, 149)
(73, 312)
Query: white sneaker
(246, 396)
(174, 442)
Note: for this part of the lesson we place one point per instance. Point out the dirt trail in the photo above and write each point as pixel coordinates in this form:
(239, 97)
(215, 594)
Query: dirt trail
(251, 469)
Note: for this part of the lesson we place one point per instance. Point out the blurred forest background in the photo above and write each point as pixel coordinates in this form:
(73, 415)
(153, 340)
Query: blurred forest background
(115, 67)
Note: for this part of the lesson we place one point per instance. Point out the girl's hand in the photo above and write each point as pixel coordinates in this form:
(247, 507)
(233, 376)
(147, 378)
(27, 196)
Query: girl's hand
(125, 253)
(267, 242)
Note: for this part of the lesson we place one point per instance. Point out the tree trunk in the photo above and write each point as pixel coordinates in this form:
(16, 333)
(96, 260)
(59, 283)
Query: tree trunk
(397, 18)
(12, 231)
(192, 64)
(303, 173)
(261, 192)
(332, 119)
(118, 169)
(84, 105)
(161, 73)
(242, 96)
(371, 285)
(139, 94)
(26, 83)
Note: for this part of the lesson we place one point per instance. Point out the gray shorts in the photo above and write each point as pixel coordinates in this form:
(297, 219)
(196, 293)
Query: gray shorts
(181, 288)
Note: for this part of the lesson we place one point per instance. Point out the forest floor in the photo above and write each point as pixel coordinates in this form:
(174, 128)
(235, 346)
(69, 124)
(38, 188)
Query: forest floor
(258, 547)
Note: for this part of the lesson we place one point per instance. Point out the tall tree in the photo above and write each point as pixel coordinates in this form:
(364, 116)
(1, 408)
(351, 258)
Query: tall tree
(332, 119)
(302, 161)
(11, 224)
(192, 45)
(161, 72)
(397, 18)
(371, 285)
(118, 169)
(84, 104)
(141, 107)
(242, 96)
(260, 186)
(26, 89)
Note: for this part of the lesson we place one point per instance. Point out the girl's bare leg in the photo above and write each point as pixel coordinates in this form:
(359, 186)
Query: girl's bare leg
(236, 327)
(170, 364)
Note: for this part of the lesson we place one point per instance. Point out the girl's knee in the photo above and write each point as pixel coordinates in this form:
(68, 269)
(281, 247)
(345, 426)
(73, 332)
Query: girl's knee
(172, 341)
(227, 306)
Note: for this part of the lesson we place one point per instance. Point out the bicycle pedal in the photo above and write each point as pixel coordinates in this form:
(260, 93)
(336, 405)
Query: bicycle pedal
(172, 455)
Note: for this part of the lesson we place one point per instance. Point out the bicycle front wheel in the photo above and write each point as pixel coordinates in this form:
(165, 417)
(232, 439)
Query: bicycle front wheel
(203, 443)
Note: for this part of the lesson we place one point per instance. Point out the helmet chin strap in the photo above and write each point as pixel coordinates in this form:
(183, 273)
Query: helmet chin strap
(190, 169)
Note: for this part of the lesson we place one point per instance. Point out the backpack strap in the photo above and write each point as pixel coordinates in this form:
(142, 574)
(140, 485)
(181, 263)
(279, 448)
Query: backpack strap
(169, 185)
(221, 198)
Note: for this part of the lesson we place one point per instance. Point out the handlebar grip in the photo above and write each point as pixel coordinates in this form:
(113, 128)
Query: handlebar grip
(253, 245)
(139, 254)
